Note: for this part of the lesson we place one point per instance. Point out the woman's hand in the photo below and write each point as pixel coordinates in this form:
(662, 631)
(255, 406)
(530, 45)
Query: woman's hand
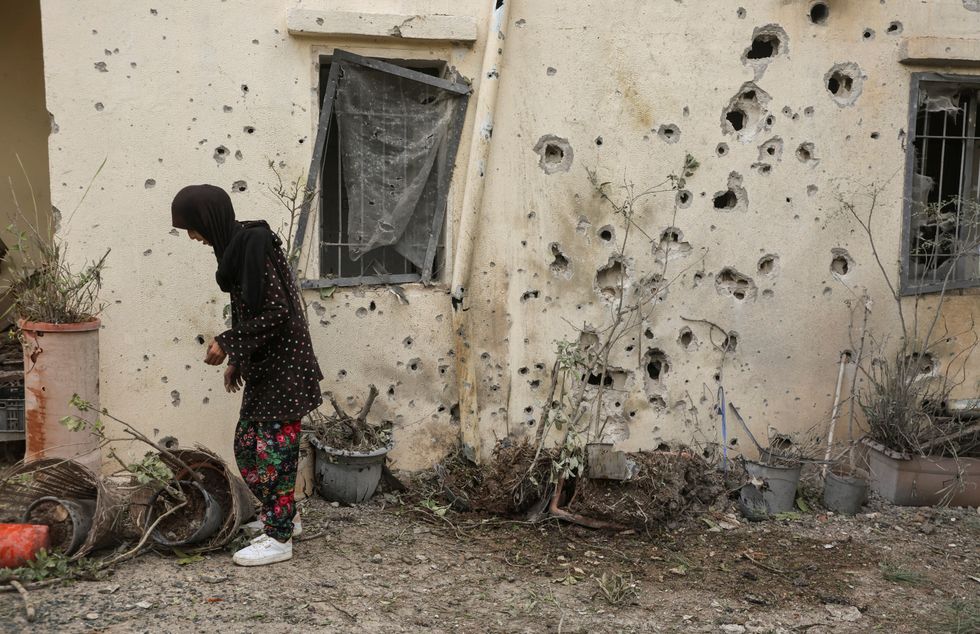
(215, 355)
(233, 379)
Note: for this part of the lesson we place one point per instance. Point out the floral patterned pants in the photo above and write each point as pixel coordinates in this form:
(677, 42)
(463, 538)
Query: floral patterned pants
(267, 453)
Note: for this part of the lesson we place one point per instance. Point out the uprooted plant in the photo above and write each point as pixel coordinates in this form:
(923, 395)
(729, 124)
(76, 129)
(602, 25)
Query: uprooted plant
(907, 385)
(350, 433)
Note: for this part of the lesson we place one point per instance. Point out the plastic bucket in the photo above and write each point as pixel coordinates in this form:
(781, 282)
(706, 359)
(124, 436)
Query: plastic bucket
(209, 524)
(347, 477)
(777, 491)
(19, 543)
(73, 515)
(845, 492)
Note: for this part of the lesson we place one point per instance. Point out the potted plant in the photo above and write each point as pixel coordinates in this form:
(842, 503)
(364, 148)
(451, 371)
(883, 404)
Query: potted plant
(350, 452)
(56, 305)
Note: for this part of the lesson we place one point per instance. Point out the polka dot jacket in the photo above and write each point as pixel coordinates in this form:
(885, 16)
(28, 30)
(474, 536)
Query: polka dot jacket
(272, 348)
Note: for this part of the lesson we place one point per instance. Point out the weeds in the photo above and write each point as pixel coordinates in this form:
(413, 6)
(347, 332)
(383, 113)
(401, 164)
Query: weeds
(52, 565)
(617, 589)
(960, 617)
(901, 575)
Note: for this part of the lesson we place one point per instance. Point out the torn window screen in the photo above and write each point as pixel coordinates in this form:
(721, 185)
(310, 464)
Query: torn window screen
(943, 203)
(385, 150)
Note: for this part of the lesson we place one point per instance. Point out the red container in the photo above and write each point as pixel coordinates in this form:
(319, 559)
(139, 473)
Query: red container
(19, 543)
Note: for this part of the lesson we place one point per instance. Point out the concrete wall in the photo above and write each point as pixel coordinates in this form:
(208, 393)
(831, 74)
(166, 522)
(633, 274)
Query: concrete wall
(156, 88)
(24, 125)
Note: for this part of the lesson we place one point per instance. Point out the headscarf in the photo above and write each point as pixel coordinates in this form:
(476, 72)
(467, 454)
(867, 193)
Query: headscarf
(241, 248)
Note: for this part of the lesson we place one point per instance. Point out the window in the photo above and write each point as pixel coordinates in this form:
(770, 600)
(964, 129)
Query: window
(384, 154)
(942, 205)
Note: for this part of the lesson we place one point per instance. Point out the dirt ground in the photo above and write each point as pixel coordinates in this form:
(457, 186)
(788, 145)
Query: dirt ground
(392, 567)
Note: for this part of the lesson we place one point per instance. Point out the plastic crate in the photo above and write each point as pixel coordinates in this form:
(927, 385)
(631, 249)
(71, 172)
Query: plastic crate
(12, 414)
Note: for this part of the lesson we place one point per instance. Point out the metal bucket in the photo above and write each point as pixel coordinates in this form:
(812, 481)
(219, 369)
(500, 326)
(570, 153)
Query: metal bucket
(845, 492)
(775, 494)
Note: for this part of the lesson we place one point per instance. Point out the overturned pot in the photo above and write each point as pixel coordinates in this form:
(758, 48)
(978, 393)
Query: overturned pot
(348, 477)
(69, 521)
(845, 490)
(198, 520)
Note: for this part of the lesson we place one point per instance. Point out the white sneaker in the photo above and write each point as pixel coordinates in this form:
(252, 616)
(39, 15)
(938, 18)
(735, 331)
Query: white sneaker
(257, 526)
(264, 550)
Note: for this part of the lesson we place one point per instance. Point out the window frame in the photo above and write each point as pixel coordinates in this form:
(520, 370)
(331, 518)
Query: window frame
(455, 84)
(909, 287)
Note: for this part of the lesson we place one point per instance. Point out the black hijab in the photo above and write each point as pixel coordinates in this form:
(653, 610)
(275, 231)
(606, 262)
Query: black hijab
(241, 248)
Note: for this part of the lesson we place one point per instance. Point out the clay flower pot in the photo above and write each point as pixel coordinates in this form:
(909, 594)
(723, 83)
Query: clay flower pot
(60, 360)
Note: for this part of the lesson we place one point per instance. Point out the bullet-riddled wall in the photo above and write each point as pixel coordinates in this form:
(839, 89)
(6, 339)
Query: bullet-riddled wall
(176, 93)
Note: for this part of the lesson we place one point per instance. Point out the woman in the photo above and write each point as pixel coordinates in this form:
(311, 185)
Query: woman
(268, 348)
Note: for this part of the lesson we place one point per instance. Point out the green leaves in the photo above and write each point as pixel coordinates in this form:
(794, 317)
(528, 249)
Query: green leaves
(150, 469)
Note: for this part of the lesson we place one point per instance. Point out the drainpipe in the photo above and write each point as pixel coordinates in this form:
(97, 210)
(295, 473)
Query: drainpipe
(475, 185)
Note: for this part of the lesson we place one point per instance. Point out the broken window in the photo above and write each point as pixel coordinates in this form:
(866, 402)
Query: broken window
(942, 206)
(384, 154)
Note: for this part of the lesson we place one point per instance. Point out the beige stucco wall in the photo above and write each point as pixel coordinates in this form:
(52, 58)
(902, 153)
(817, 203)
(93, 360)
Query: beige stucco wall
(24, 127)
(619, 71)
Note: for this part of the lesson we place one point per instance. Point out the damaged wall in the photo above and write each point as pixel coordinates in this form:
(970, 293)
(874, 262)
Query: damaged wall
(175, 94)
(783, 104)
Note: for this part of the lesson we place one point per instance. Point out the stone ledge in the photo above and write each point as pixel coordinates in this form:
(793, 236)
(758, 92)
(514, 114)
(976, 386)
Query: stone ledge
(940, 51)
(456, 28)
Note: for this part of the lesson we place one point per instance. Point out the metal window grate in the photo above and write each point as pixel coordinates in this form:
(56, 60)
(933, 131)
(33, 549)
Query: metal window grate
(340, 262)
(941, 223)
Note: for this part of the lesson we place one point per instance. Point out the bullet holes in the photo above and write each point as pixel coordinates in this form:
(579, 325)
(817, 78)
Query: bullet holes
(844, 82)
(894, 28)
(725, 200)
(656, 364)
(730, 342)
(227, 108)
(841, 262)
(220, 154)
(771, 150)
(923, 364)
(598, 140)
(249, 129)
(808, 112)
(239, 186)
(672, 246)
(175, 398)
(819, 12)
(868, 34)
(768, 264)
(244, 89)
(740, 13)
(559, 264)
(768, 42)
(407, 342)
(551, 72)
(721, 149)
(199, 339)
(683, 199)
(588, 341)
(361, 312)
(414, 365)
(669, 133)
(609, 280)
(555, 154)
(607, 233)
(529, 295)
(811, 190)
(805, 154)
(149, 183)
(101, 67)
(657, 403)
(746, 112)
(686, 339)
(735, 197)
(763, 168)
(730, 282)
